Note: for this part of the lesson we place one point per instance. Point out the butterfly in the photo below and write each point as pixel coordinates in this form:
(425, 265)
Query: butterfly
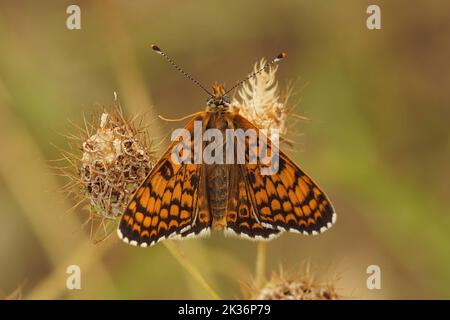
(179, 200)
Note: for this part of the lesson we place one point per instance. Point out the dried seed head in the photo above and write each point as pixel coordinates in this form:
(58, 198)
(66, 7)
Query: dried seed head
(113, 164)
(294, 285)
(299, 288)
(115, 159)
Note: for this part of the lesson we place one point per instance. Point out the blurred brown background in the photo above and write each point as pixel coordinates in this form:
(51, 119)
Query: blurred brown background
(377, 142)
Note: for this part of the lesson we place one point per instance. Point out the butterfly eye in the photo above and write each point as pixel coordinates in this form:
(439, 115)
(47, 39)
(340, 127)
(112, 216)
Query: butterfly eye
(225, 101)
(210, 102)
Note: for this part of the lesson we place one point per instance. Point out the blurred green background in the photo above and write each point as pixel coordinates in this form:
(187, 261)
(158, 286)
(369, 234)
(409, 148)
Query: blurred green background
(377, 142)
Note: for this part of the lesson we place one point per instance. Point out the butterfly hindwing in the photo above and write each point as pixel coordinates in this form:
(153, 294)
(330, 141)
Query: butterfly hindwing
(201, 225)
(241, 217)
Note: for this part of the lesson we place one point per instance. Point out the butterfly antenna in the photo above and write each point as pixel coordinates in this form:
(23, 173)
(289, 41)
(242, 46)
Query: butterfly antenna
(159, 51)
(277, 59)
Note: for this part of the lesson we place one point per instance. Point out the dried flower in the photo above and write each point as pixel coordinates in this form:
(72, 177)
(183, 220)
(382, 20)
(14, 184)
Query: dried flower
(279, 288)
(301, 287)
(115, 159)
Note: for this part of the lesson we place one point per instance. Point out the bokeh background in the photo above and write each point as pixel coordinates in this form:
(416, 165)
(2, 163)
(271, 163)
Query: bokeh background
(377, 142)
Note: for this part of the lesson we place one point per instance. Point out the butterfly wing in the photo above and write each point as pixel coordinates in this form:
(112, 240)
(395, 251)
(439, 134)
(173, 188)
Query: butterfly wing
(241, 218)
(201, 225)
(166, 205)
(287, 200)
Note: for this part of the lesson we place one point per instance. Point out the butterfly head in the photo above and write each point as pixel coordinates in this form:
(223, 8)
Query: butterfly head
(218, 100)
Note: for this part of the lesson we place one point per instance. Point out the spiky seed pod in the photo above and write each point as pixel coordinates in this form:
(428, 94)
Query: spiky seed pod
(113, 164)
(115, 158)
(299, 288)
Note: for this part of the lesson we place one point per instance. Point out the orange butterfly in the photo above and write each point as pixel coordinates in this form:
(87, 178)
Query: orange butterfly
(181, 200)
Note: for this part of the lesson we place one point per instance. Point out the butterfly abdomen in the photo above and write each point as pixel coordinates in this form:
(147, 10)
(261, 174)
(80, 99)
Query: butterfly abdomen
(217, 183)
(218, 177)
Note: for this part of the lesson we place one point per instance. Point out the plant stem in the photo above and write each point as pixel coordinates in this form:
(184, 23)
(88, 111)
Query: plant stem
(261, 252)
(190, 268)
